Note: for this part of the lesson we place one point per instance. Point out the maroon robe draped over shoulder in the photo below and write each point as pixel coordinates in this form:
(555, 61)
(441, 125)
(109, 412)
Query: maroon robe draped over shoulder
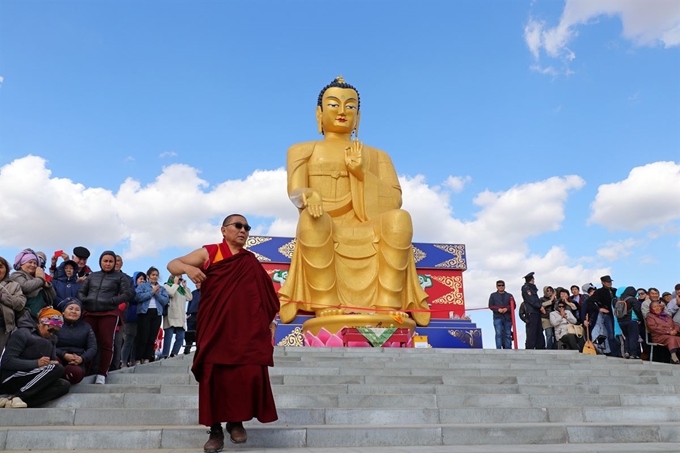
(233, 341)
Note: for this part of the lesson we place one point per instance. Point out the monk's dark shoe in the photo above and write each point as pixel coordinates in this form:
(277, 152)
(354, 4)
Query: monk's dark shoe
(215, 441)
(238, 433)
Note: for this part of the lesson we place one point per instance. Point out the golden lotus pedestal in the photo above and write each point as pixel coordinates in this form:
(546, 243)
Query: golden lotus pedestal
(334, 325)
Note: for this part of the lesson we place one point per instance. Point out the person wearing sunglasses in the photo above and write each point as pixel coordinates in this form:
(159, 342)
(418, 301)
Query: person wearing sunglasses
(30, 371)
(500, 303)
(234, 333)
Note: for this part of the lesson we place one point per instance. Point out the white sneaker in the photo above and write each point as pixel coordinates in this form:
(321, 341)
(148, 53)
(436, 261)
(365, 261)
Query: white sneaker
(100, 379)
(16, 403)
(4, 402)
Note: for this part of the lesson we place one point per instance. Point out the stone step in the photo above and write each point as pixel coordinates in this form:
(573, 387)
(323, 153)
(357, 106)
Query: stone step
(351, 399)
(341, 436)
(651, 447)
(190, 401)
(368, 414)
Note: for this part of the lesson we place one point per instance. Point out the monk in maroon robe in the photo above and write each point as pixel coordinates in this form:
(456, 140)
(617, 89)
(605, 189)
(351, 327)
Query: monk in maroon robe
(234, 334)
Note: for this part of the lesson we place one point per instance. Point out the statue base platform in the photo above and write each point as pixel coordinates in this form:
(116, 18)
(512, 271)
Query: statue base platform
(341, 330)
(440, 333)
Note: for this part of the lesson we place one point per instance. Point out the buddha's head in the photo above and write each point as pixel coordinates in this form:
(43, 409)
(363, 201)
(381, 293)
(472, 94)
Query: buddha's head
(337, 108)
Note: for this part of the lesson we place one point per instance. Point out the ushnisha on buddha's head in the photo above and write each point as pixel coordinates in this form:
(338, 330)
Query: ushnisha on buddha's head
(337, 109)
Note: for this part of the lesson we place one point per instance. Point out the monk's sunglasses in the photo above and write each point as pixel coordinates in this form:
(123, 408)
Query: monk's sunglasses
(240, 225)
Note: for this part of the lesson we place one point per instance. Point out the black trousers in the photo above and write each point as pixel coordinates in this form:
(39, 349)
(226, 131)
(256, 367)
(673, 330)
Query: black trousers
(189, 339)
(535, 338)
(147, 330)
(37, 386)
(572, 342)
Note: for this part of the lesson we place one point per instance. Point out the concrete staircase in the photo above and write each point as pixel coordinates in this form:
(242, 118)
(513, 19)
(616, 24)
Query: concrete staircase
(365, 397)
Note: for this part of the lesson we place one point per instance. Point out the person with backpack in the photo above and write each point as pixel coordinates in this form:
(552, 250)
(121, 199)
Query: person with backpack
(628, 313)
(600, 307)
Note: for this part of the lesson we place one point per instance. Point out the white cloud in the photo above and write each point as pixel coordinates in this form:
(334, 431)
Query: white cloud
(496, 240)
(56, 210)
(457, 183)
(165, 154)
(649, 196)
(614, 250)
(548, 70)
(645, 23)
(180, 209)
(129, 159)
(2, 79)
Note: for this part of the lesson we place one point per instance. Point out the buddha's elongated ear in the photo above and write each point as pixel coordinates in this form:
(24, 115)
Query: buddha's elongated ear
(319, 124)
(356, 125)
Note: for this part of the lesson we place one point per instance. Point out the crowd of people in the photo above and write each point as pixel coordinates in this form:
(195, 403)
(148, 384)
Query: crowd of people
(622, 322)
(61, 323)
(57, 327)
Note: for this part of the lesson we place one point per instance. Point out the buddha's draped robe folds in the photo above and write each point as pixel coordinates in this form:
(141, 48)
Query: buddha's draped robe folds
(358, 254)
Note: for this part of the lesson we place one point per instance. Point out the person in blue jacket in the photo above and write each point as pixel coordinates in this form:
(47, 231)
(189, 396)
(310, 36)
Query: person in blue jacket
(151, 298)
(67, 284)
(130, 326)
(192, 317)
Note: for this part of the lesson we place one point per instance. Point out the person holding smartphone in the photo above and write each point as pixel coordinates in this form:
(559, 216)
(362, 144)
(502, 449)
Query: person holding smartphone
(174, 319)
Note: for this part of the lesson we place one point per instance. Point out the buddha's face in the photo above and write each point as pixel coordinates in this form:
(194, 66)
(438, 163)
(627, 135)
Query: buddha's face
(339, 111)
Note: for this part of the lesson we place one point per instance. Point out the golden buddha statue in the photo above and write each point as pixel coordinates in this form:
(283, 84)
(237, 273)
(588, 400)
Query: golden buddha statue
(353, 251)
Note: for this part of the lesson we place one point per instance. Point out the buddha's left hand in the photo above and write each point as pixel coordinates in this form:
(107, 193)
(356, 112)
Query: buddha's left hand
(354, 159)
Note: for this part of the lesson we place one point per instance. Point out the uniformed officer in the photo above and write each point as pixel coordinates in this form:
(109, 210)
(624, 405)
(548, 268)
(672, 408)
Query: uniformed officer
(534, 309)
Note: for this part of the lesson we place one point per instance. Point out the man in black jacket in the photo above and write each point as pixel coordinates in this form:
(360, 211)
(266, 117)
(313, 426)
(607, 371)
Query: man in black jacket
(600, 305)
(102, 295)
(534, 310)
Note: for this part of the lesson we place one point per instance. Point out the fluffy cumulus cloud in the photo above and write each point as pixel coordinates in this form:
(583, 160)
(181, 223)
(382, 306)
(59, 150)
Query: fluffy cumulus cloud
(648, 197)
(179, 209)
(645, 23)
(457, 183)
(614, 250)
(50, 209)
(496, 238)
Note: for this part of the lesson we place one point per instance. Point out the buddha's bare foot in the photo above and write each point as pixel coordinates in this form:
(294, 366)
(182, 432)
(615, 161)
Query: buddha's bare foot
(401, 314)
(329, 312)
(288, 312)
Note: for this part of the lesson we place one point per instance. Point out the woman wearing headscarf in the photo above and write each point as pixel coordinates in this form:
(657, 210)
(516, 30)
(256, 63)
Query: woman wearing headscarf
(76, 343)
(174, 322)
(663, 330)
(33, 281)
(29, 370)
(12, 302)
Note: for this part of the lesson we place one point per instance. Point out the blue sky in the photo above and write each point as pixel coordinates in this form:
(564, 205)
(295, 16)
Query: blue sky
(544, 135)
